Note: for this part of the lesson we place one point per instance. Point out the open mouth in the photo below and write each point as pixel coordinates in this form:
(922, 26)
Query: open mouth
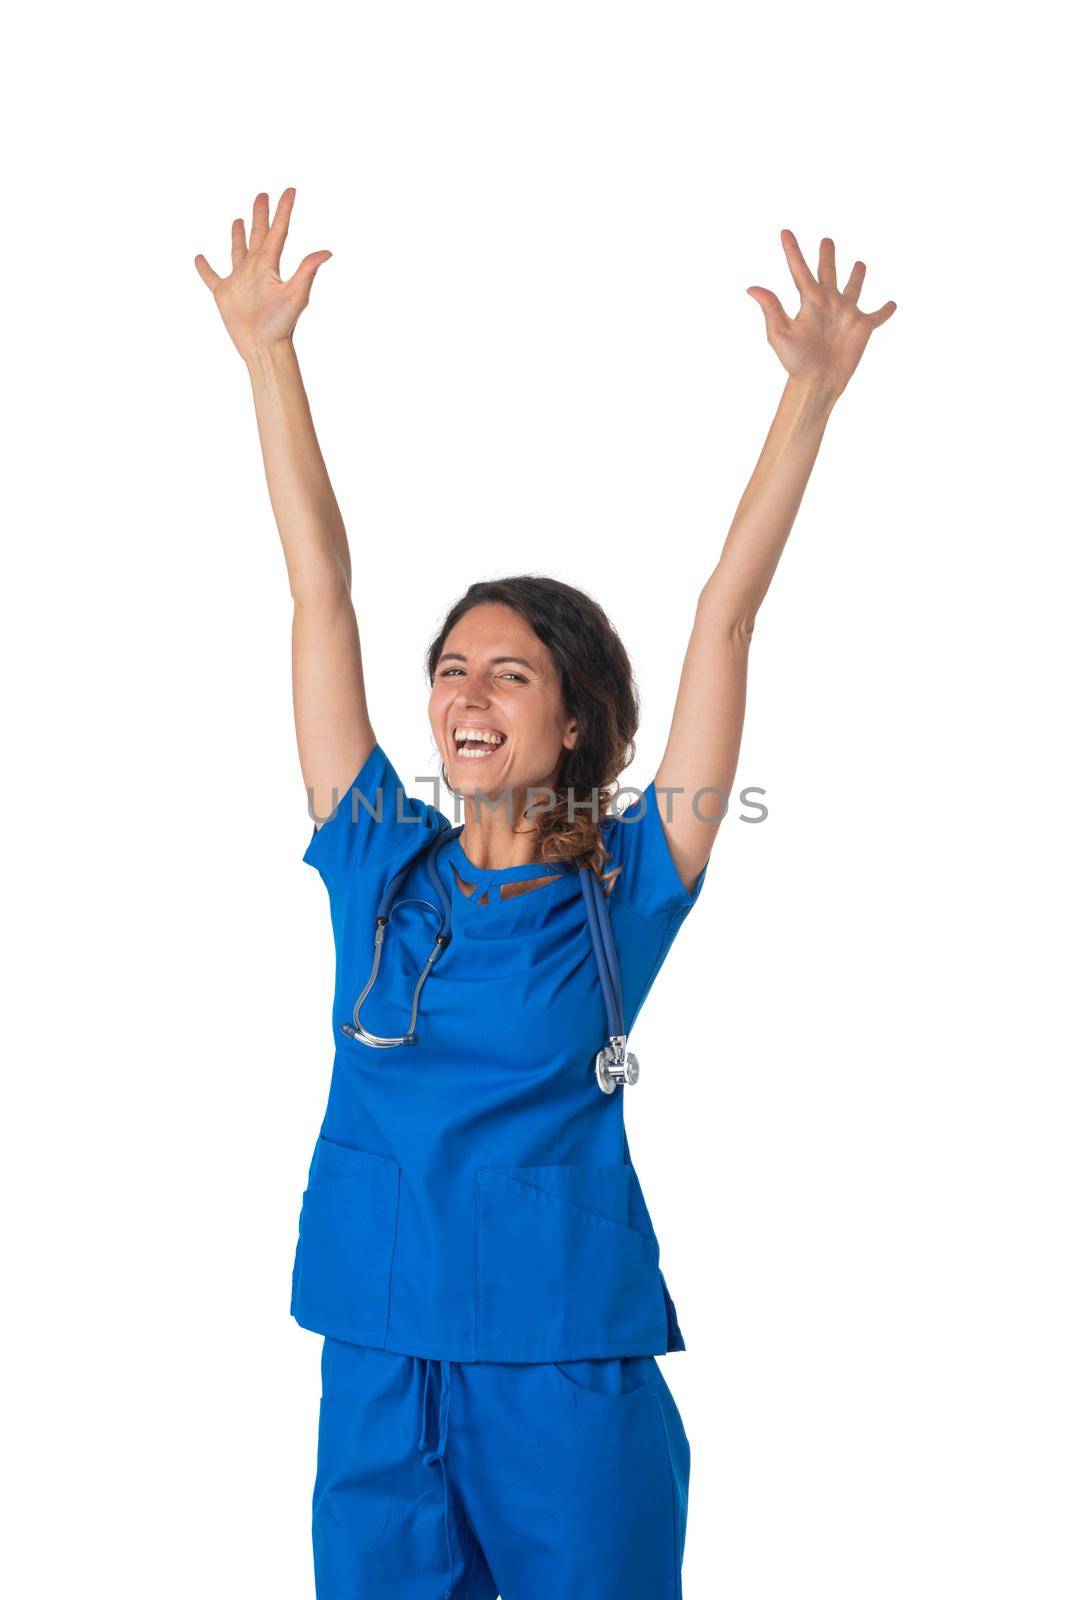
(477, 744)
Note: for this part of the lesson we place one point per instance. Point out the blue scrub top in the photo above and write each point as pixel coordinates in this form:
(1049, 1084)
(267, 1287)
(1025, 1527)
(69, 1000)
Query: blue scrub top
(471, 1197)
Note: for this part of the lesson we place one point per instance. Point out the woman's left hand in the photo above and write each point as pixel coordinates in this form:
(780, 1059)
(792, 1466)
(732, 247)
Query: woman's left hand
(820, 346)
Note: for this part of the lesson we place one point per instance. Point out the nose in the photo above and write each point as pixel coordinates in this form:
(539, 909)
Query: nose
(474, 691)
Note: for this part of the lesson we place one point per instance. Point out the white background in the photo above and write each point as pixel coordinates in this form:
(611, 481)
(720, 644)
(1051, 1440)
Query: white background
(532, 348)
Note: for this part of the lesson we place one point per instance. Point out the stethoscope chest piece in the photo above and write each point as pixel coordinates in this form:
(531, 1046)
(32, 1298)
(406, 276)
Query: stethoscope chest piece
(615, 1064)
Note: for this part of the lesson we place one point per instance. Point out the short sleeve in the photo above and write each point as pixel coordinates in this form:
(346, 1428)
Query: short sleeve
(649, 882)
(375, 822)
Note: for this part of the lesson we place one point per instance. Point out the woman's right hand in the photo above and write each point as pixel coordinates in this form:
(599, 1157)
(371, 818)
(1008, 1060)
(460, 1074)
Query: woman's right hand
(257, 305)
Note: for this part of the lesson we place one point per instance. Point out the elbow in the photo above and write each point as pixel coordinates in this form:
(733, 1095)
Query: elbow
(732, 623)
(330, 586)
(742, 629)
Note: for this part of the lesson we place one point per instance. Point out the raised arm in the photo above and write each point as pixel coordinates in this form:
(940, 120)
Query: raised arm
(260, 310)
(820, 349)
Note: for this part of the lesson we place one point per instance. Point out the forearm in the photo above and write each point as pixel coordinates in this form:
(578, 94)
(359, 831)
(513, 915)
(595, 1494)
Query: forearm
(765, 515)
(309, 520)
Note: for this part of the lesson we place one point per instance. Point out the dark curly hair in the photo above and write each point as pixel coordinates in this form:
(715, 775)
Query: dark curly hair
(598, 690)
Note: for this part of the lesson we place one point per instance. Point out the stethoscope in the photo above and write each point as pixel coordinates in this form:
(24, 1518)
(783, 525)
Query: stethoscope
(614, 1064)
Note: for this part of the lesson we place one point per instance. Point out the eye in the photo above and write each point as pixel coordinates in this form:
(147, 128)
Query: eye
(516, 675)
(446, 672)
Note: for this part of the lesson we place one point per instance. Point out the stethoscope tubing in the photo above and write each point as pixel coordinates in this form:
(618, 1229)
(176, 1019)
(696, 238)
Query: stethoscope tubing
(603, 949)
(444, 910)
(597, 916)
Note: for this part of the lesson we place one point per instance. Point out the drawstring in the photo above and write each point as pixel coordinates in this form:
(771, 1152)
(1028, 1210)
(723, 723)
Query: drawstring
(437, 1454)
(444, 1406)
(425, 1398)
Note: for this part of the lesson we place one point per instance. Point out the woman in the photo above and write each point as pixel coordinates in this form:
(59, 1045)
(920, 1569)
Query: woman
(473, 1243)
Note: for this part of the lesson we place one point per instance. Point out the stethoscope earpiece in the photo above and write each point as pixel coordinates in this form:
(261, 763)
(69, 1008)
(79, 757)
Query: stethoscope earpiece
(441, 940)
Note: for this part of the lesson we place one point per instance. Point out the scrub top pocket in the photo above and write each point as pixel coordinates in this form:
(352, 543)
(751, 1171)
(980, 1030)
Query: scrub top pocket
(344, 1252)
(557, 1279)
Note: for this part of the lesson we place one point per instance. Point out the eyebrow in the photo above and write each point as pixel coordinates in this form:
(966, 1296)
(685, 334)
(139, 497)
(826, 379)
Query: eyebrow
(494, 661)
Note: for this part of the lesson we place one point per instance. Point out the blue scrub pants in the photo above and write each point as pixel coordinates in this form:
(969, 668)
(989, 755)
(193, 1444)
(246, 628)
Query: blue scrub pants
(543, 1481)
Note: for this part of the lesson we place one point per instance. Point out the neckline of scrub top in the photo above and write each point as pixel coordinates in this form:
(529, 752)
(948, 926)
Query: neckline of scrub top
(528, 869)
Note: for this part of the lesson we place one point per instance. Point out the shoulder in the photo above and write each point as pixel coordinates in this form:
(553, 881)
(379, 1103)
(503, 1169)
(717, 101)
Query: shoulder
(376, 820)
(648, 881)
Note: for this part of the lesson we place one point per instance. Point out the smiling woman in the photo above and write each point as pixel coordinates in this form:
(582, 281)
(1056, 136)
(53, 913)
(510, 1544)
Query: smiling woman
(534, 710)
(473, 1238)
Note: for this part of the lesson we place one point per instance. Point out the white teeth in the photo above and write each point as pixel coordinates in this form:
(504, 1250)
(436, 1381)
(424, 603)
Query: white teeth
(485, 737)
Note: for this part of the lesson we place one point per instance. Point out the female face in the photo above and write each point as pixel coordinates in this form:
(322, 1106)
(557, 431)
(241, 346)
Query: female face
(497, 683)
